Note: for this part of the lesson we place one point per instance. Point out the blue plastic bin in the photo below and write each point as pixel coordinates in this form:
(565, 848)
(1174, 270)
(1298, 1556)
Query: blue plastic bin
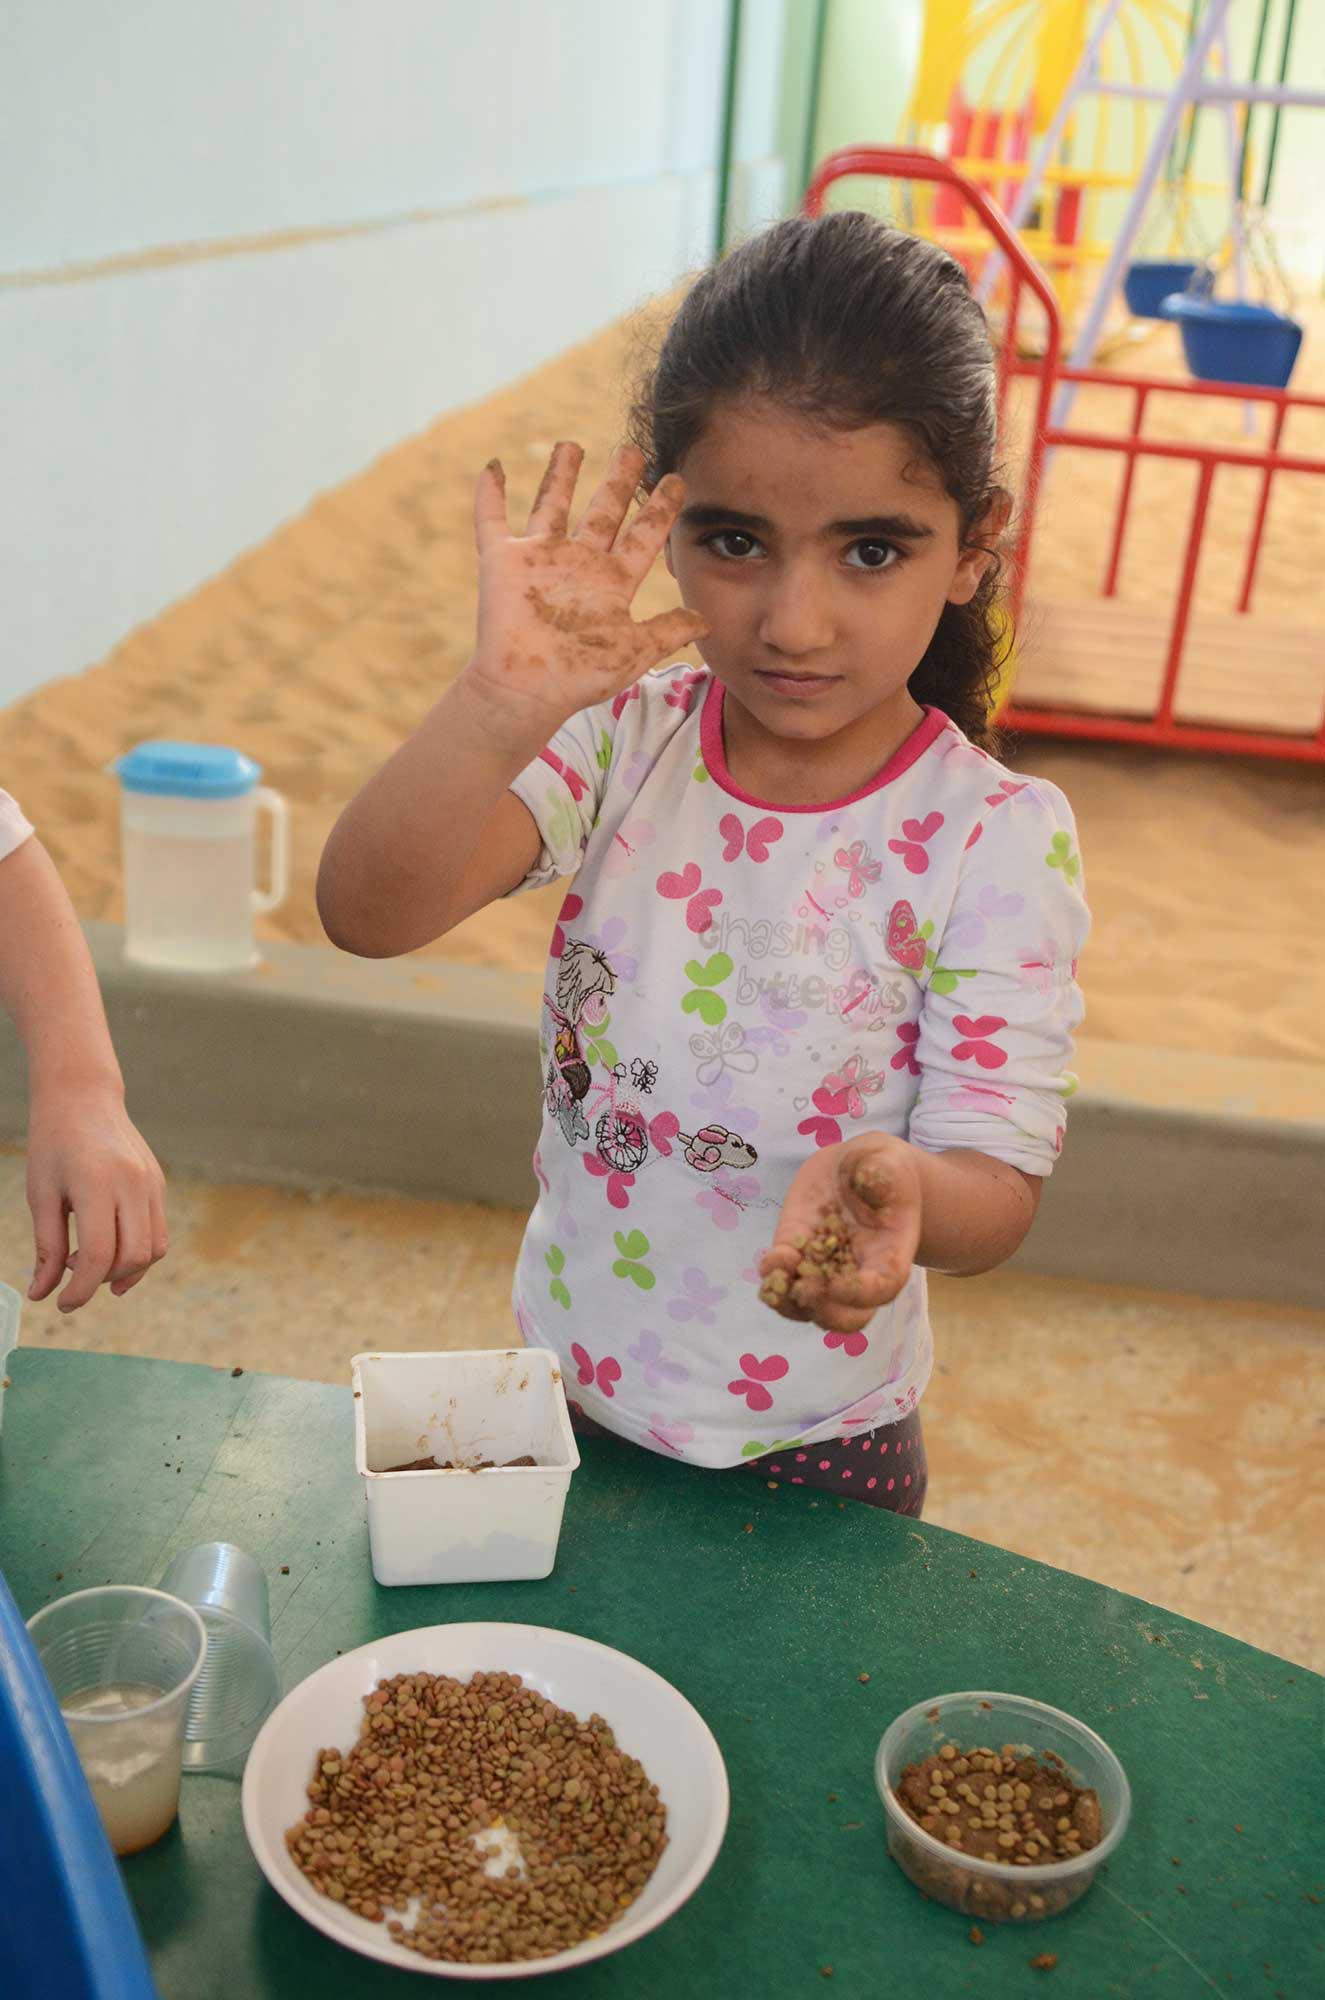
(1150, 281)
(67, 1931)
(1227, 340)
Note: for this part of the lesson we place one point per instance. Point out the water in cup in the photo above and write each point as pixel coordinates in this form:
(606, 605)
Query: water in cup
(133, 1770)
(122, 1662)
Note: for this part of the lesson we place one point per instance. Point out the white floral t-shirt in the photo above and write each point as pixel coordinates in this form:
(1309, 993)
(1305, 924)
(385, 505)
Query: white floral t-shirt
(732, 983)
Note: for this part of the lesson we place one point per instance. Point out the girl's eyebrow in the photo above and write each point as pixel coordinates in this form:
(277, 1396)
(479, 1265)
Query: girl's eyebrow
(887, 527)
(725, 517)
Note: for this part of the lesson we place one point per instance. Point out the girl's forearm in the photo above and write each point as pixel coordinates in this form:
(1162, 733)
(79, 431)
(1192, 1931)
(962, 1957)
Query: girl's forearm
(975, 1211)
(47, 981)
(397, 858)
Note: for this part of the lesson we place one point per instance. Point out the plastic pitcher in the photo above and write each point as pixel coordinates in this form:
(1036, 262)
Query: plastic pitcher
(188, 820)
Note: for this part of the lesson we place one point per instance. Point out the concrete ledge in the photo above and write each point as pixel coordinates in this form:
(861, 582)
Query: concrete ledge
(419, 1077)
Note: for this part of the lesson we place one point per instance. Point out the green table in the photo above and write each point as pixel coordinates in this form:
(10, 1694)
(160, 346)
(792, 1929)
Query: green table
(109, 1465)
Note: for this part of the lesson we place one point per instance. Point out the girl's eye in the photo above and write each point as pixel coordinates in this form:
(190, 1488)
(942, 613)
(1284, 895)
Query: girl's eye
(872, 555)
(733, 544)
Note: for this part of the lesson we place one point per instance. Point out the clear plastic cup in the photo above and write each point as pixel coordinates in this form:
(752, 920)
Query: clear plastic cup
(996, 1891)
(240, 1683)
(123, 1662)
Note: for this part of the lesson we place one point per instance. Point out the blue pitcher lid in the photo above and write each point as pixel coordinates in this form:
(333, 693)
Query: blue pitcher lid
(187, 770)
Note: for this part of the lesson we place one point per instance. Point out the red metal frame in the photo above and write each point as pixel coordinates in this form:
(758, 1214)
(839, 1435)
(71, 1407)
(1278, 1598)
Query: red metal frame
(1161, 729)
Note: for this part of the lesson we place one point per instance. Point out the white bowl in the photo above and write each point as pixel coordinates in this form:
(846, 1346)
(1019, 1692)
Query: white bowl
(650, 1719)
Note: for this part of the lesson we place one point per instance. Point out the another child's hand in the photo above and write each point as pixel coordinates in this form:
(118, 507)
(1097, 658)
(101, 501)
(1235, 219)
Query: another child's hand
(86, 1159)
(555, 634)
(874, 1183)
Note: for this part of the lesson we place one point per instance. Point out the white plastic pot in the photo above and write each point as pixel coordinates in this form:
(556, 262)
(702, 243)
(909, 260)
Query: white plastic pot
(463, 1526)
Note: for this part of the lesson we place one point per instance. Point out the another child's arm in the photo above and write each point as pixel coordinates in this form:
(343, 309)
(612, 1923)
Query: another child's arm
(85, 1157)
(960, 1212)
(437, 834)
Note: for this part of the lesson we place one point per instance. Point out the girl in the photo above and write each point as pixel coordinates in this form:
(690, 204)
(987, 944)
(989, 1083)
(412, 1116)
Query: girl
(85, 1157)
(819, 941)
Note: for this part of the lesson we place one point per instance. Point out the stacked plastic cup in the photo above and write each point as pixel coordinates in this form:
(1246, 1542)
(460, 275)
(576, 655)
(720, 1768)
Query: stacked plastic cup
(240, 1682)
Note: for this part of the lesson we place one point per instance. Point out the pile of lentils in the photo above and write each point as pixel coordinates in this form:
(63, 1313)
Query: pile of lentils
(439, 1763)
(1001, 1805)
(824, 1255)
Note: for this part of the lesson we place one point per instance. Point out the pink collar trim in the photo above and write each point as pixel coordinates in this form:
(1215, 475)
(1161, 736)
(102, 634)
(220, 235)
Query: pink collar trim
(715, 757)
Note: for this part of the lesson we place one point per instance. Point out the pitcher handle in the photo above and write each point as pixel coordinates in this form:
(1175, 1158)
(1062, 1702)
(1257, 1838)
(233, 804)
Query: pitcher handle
(273, 803)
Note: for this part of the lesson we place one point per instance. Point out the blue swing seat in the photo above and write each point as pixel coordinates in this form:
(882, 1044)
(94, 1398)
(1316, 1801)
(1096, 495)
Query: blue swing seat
(1231, 340)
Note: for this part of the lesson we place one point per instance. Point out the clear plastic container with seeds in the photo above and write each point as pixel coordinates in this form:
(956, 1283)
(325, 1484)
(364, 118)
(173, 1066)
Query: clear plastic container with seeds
(967, 1777)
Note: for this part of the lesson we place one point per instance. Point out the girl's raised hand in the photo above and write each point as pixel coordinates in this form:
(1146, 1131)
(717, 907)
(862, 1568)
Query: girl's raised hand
(555, 633)
(873, 1183)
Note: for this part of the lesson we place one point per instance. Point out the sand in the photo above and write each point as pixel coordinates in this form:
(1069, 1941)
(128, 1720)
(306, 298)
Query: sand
(318, 650)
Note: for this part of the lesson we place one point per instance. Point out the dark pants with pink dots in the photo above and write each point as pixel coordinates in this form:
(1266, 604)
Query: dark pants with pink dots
(883, 1468)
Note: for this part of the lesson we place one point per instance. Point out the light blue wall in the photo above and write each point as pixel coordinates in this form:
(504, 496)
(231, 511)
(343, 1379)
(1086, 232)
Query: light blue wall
(248, 247)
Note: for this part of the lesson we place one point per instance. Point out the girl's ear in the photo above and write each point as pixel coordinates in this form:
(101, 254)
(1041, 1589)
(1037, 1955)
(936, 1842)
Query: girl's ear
(975, 556)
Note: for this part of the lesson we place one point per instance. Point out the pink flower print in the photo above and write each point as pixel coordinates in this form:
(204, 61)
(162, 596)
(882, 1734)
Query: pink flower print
(682, 691)
(572, 780)
(755, 1373)
(618, 1184)
(607, 1373)
(908, 1034)
(716, 1104)
(726, 1196)
(981, 1097)
(1006, 790)
(950, 744)
(824, 1129)
(658, 1370)
(698, 1297)
(608, 941)
(977, 833)
(903, 942)
(912, 846)
(865, 1415)
(662, 1130)
(851, 1085)
(628, 842)
(860, 865)
(634, 771)
(542, 1178)
(1037, 967)
(567, 914)
(969, 926)
(623, 700)
(978, 1045)
(700, 905)
(851, 1344)
(674, 1436)
(756, 843)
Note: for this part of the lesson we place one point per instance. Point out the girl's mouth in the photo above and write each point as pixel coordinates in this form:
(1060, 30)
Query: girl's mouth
(797, 687)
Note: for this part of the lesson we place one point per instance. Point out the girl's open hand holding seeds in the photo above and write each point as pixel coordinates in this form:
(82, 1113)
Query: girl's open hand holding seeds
(848, 1234)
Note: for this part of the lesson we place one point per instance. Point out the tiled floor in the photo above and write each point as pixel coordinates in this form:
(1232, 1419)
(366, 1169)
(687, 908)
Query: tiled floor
(1166, 1445)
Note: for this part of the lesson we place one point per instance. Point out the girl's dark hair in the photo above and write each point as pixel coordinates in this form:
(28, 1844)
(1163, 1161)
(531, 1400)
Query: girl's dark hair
(848, 322)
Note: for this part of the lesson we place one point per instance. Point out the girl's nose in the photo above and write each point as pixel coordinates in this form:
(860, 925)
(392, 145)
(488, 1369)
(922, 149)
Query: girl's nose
(796, 619)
